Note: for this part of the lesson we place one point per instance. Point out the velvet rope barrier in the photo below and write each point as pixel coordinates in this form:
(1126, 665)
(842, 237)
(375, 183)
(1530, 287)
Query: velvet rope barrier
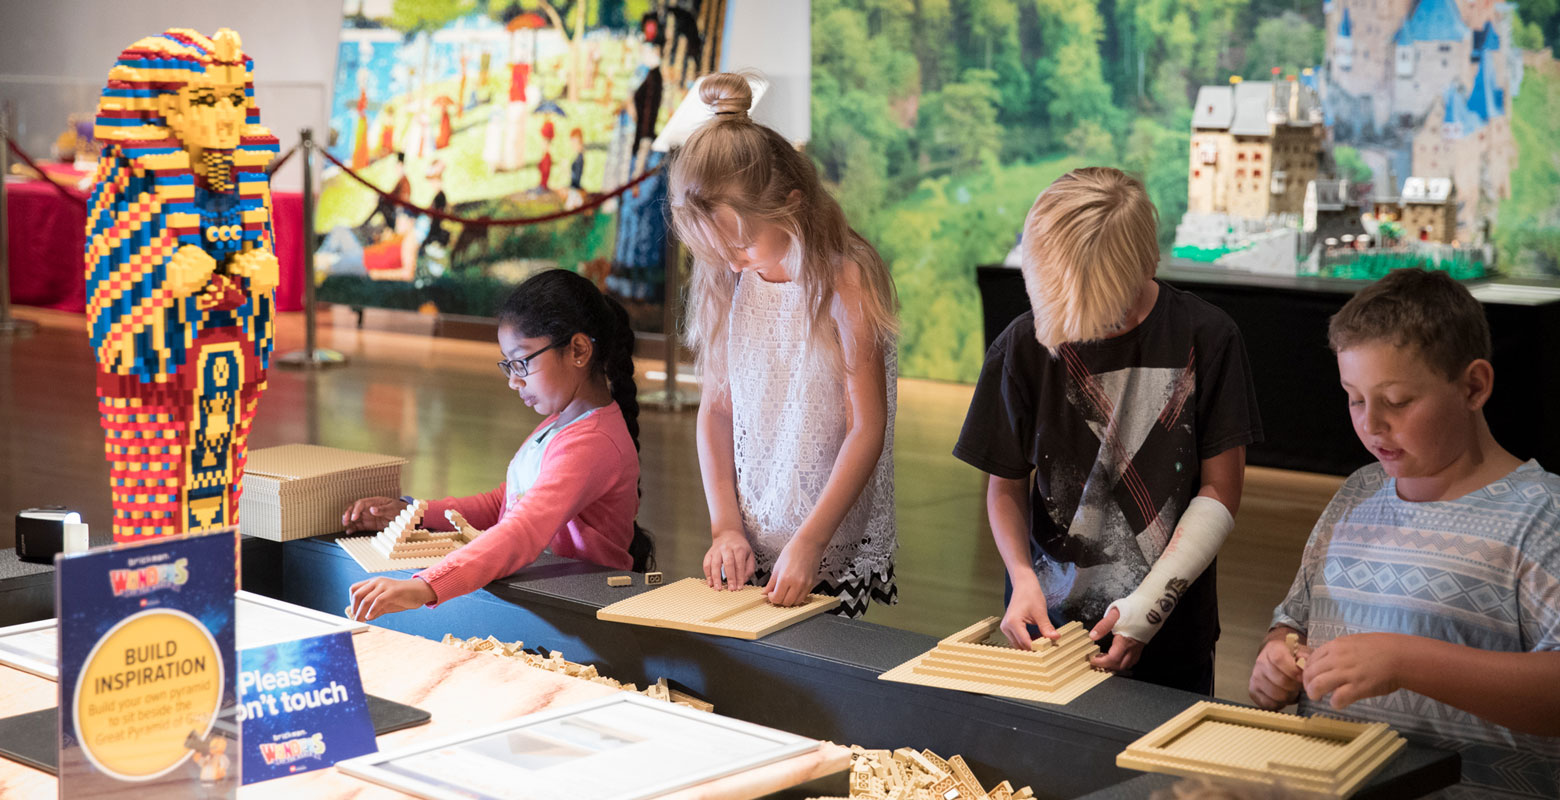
(277, 164)
(489, 221)
(26, 159)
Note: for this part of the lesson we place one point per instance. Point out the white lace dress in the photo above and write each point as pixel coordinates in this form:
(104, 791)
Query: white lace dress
(788, 423)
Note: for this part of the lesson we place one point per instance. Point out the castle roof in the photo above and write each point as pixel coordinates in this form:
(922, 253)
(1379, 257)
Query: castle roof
(1214, 107)
(1433, 21)
(1243, 109)
(1427, 190)
(1486, 100)
(1457, 112)
(1486, 38)
(1331, 194)
(1344, 27)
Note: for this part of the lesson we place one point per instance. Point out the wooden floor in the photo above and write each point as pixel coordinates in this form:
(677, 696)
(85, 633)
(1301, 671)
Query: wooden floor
(443, 404)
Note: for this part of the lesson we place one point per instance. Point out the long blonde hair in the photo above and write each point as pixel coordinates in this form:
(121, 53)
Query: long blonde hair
(1089, 244)
(733, 162)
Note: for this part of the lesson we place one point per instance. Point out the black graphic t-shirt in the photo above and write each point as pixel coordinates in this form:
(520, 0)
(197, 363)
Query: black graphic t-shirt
(1114, 432)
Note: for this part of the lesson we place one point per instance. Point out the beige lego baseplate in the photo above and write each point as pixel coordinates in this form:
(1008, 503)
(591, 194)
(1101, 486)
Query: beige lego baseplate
(1053, 672)
(293, 461)
(1319, 755)
(691, 605)
(403, 545)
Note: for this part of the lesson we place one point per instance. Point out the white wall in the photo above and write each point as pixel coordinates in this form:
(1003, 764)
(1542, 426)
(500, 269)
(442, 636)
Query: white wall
(55, 56)
(775, 39)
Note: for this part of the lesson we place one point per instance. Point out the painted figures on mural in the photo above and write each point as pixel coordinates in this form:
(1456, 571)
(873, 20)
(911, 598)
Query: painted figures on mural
(527, 108)
(180, 270)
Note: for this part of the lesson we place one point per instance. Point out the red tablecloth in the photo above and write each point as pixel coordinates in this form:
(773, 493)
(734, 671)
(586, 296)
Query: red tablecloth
(48, 239)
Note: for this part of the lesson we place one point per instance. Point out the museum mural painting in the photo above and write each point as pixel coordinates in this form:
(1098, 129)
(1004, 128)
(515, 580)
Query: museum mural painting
(476, 142)
(1341, 138)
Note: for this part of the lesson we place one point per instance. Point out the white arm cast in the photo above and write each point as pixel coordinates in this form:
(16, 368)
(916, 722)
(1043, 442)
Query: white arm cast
(1198, 536)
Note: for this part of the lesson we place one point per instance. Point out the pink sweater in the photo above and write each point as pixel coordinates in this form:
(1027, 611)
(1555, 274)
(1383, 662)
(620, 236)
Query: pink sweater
(582, 504)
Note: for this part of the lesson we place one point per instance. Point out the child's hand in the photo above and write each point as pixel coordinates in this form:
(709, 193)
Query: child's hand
(1275, 678)
(729, 555)
(1353, 668)
(1027, 608)
(371, 514)
(1124, 650)
(376, 597)
(795, 573)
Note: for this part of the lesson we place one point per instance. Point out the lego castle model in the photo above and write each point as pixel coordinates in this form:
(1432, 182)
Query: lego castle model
(1420, 90)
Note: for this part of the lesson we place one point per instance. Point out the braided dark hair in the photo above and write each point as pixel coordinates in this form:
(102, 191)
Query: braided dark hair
(556, 304)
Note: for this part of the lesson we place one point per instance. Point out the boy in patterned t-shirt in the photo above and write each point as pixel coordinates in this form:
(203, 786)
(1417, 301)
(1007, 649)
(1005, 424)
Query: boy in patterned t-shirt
(1429, 593)
(1113, 420)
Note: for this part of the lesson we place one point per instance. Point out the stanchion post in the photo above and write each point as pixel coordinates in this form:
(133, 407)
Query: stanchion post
(9, 325)
(310, 357)
(671, 397)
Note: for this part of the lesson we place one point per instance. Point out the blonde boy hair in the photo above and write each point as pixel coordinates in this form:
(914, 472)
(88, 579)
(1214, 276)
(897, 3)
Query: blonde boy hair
(733, 162)
(1090, 241)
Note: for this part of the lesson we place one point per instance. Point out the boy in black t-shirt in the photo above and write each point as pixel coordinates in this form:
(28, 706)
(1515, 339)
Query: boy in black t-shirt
(1130, 402)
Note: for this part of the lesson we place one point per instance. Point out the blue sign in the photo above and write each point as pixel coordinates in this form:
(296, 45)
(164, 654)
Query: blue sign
(302, 707)
(146, 690)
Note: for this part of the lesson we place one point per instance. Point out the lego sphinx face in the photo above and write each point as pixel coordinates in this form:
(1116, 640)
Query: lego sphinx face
(207, 115)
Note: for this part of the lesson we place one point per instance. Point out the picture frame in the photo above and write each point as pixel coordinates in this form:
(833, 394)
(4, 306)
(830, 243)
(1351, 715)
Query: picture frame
(624, 747)
(31, 646)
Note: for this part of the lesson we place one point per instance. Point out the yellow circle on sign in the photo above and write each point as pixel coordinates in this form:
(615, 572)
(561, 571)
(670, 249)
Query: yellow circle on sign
(150, 682)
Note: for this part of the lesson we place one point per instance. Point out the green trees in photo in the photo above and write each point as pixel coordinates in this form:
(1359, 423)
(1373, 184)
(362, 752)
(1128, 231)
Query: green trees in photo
(937, 122)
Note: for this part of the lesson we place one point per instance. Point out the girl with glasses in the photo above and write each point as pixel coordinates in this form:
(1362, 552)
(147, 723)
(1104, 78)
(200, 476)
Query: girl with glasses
(574, 484)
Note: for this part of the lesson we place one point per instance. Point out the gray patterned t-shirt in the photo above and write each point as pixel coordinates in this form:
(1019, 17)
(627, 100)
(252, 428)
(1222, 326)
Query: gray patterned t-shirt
(1481, 571)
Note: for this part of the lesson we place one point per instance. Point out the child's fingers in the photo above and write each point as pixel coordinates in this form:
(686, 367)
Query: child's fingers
(1105, 625)
(1320, 682)
(788, 590)
(1347, 694)
(1120, 656)
(1277, 657)
(355, 597)
(1264, 695)
(729, 564)
(1017, 632)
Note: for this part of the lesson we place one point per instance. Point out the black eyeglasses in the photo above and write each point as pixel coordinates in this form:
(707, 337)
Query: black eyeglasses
(521, 367)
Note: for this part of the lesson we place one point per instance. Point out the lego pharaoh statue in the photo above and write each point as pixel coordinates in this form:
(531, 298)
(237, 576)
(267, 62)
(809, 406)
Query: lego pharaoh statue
(180, 273)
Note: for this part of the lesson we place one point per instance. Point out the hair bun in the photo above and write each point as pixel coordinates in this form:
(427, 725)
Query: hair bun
(727, 94)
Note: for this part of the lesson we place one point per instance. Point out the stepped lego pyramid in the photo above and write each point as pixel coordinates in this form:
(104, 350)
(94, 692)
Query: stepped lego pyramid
(691, 605)
(1052, 672)
(299, 490)
(403, 545)
(1318, 755)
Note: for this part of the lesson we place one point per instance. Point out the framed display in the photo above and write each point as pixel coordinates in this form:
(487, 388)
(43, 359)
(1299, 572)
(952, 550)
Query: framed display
(266, 620)
(31, 647)
(621, 747)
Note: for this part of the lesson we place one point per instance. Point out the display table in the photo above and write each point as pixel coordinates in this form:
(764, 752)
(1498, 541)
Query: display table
(1304, 412)
(27, 590)
(461, 689)
(818, 678)
(48, 242)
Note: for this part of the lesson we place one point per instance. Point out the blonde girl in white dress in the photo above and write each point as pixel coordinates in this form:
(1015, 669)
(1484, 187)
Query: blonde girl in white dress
(793, 319)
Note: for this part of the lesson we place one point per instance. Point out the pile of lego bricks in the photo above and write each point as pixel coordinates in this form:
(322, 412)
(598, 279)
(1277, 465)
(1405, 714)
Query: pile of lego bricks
(553, 661)
(300, 490)
(905, 774)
